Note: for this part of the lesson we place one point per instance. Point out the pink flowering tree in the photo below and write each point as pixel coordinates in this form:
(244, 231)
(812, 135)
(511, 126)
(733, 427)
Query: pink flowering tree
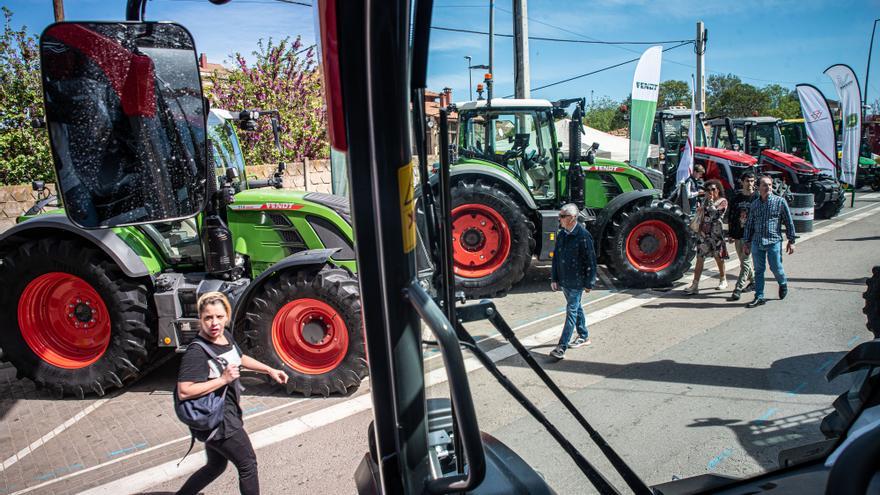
(24, 151)
(283, 77)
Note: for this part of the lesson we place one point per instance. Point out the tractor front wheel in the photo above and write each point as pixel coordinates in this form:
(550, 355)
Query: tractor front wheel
(649, 245)
(77, 324)
(492, 241)
(832, 208)
(872, 302)
(309, 325)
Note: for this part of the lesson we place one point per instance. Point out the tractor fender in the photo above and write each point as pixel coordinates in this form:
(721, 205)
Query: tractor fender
(615, 205)
(105, 239)
(312, 259)
(460, 171)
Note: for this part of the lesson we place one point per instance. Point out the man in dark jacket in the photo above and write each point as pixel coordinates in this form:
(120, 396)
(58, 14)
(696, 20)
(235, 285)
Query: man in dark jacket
(737, 216)
(574, 271)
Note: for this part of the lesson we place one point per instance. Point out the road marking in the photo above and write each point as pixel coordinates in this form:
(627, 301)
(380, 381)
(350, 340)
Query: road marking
(323, 417)
(21, 454)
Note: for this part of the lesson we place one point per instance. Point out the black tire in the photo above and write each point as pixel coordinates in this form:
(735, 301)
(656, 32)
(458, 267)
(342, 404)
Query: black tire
(132, 343)
(832, 208)
(872, 302)
(512, 268)
(335, 287)
(875, 184)
(633, 216)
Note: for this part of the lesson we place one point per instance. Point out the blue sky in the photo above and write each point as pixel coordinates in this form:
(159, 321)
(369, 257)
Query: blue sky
(763, 41)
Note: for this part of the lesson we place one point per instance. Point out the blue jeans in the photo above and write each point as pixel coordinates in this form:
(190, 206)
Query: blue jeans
(761, 255)
(574, 316)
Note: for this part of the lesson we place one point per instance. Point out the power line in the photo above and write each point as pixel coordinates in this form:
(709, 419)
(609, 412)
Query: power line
(603, 69)
(563, 40)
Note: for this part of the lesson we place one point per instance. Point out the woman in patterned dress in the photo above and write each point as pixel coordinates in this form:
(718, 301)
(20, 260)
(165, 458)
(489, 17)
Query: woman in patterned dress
(711, 236)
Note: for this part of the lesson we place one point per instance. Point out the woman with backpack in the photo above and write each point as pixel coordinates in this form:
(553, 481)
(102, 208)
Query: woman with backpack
(211, 366)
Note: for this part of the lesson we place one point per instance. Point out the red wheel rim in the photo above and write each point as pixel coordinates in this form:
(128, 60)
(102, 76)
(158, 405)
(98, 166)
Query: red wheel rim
(480, 240)
(64, 320)
(310, 336)
(651, 246)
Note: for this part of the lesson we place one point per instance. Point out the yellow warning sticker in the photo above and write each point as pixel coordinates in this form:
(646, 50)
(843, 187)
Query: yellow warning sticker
(407, 206)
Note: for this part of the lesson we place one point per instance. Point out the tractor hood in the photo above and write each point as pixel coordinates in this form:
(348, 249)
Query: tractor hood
(286, 199)
(795, 163)
(733, 156)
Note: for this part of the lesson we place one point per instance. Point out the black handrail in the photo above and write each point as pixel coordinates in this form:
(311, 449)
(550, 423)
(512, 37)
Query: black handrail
(459, 390)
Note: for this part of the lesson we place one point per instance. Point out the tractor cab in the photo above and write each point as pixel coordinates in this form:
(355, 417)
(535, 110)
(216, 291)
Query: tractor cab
(750, 135)
(516, 135)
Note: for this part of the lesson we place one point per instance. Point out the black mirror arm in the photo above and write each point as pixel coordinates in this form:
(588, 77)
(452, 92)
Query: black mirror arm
(459, 389)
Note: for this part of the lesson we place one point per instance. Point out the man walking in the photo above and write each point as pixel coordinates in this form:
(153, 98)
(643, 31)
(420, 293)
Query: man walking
(763, 238)
(737, 216)
(574, 271)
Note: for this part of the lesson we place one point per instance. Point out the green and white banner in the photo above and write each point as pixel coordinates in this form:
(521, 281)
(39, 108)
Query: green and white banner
(847, 86)
(646, 86)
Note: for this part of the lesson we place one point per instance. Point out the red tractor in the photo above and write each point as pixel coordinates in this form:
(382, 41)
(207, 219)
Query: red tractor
(762, 138)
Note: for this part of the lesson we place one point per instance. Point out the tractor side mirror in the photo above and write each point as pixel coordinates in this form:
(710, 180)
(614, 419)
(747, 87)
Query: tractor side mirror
(126, 120)
(595, 146)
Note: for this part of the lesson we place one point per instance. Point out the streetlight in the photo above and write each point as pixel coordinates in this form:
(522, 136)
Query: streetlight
(471, 68)
(470, 82)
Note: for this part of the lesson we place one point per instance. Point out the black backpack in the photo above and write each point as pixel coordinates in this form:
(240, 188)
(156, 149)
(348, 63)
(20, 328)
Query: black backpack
(203, 413)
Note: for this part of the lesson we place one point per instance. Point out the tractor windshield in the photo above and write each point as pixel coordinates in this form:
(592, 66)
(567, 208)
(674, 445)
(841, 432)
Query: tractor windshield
(518, 140)
(763, 136)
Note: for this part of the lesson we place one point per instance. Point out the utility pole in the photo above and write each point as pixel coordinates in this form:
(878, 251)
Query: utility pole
(58, 5)
(700, 49)
(521, 78)
(491, 82)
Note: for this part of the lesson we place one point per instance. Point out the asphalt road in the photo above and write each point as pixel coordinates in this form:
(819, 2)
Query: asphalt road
(679, 385)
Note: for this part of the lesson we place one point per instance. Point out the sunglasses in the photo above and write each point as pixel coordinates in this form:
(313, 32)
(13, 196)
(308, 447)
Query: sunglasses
(564, 215)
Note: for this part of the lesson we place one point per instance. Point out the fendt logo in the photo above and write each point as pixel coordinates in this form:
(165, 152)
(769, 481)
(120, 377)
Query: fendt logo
(647, 86)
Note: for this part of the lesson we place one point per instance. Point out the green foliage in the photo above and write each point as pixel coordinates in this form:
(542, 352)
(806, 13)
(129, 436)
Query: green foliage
(24, 151)
(604, 114)
(280, 79)
(727, 95)
(674, 93)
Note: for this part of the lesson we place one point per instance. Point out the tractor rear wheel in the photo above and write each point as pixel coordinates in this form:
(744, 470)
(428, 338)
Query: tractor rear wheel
(309, 325)
(649, 245)
(77, 324)
(492, 241)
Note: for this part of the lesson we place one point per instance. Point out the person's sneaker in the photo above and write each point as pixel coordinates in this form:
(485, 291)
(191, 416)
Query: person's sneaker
(722, 285)
(557, 353)
(580, 342)
(783, 291)
(750, 287)
(757, 302)
(734, 296)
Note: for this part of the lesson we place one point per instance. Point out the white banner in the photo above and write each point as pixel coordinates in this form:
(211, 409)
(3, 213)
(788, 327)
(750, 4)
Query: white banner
(820, 128)
(850, 95)
(686, 161)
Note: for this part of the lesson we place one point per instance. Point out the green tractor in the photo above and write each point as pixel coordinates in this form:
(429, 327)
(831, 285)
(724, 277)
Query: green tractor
(510, 178)
(158, 210)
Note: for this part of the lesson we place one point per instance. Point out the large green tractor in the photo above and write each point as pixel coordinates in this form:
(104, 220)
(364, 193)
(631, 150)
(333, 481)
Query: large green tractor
(510, 178)
(94, 293)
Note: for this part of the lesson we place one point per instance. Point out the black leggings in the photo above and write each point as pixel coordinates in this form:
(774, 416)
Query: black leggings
(237, 449)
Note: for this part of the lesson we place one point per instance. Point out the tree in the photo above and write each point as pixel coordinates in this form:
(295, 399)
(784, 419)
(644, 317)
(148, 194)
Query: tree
(727, 95)
(604, 114)
(674, 93)
(24, 151)
(784, 103)
(285, 78)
